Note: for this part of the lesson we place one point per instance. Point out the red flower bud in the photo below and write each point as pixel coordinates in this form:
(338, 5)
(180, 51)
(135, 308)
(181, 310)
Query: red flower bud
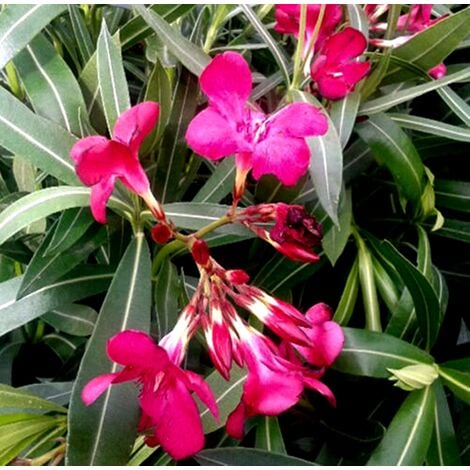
(200, 252)
(161, 234)
(237, 276)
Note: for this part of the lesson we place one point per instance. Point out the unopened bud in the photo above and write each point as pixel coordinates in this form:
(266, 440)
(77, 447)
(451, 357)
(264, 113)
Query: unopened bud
(200, 252)
(161, 234)
(414, 377)
(237, 276)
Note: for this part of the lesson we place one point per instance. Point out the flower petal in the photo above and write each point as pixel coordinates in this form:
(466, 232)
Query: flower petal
(175, 416)
(135, 124)
(96, 387)
(213, 136)
(227, 81)
(297, 120)
(203, 391)
(100, 193)
(137, 349)
(285, 157)
(344, 46)
(236, 422)
(318, 386)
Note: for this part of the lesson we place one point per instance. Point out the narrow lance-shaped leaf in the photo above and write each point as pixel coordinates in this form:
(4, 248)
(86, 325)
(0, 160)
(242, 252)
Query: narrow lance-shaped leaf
(443, 449)
(50, 84)
(453, 194)
(74, 319)
(11, 397)
(408, 436)
(458, 105)
(20, 23)
(326, 162)
(111, 78)
(219, 184)
(391, 147)
(457, 381)
(81, 33)
(370, 354)
(348, 298)
(269, 435)
(105, 432)
(41, 142)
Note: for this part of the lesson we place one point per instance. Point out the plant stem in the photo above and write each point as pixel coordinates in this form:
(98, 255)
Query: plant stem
(300, 46)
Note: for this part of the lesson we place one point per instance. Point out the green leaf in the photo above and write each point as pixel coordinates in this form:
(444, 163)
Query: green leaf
(105, 432)
(219, 184)
(269, 435)
(453, 194)
(44, 269)
(191, 56)
(245, 457)
(136, 29)
(50, 84)
(82, 35)
(227, 396)
(20, 23)
(370, 354)
(43, 203)
(458, 105)
(455, 229)
(273, 46)
(173, 149)
(431, 46)
(429, 126)
(457, 381)
(443, 449)
(38, 140)
(74, 319)
(326, 162)
(358, 19)
(408, 436)
(11, 397)
(336, 237)
(389, 292)
(56, 392)
(63, 346)
(111, 78)
(79, 284)
(383, 103)
(348, 298)
(392, 148)
(167, 288)
(25, 175)
(343, 115)
(424, 297)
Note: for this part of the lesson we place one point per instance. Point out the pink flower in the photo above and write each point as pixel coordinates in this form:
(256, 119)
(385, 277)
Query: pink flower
(335, 71)
(99, 161)
(288, 18)
(273, 144)
(168, 409)
(438, 71)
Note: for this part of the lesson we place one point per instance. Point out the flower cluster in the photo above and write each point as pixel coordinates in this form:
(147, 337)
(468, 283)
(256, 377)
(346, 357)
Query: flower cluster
(293, 350)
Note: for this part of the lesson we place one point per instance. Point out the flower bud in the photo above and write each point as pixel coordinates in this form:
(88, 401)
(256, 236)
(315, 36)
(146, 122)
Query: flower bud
(237, 276)
(161, 234)
(200, 252)
(414, 377)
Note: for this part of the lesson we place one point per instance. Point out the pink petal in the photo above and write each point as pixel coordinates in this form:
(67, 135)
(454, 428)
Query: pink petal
(287, 19)
(137, 349)
(100, 193)
(236, 422)
(213, 136)
(297, 120)
(355, 72)
(319, 313)
(315, 384)
(203, 391)
(135, 124)
(438, 71)
(332, 88)
(175, 416)
(345, 45)
(96, 387)
(227, 78)
(287, 158)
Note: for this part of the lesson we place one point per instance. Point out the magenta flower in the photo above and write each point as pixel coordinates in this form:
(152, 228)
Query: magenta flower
(273, 144)
(439, 71)
(168, 409)
(335, 71)
(99, 161)
(288, 18)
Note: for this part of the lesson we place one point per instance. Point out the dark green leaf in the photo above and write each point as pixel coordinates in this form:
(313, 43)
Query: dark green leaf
(20, 23)
(408, 436)
(269, 435)
(50, 84)
(243, 457)
(74, 319)
(343, 115)
(56, 392)
(81, 33)
(455, 229)
(457, 381)
(391, 147)
(348, 298)
(453, 194)
(219, 184)
(105, 432)
(370, 353)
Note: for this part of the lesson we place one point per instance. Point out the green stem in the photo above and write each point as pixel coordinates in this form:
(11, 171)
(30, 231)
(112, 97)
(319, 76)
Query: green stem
(165, 252)
(300, 46)
(315, 32)
(48, 456)
(13, 82)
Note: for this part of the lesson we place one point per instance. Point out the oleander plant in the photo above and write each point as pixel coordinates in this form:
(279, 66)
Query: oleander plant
(234, 234)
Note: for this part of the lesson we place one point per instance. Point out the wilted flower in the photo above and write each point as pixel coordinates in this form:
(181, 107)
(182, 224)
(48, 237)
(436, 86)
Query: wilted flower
(168, 409)
(100, 161)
